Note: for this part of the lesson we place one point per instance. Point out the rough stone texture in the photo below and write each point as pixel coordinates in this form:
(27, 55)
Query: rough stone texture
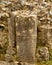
(3, 34)
(45, 34)
(45, 26)
(7, 63)
(11, 27)
(42, 54)
(25, 63)
(14, 63)
(43, 10)
(26, 36)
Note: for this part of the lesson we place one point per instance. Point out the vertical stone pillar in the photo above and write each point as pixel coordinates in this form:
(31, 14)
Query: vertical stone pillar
(11, 28)
(26, 37)
(11, 35)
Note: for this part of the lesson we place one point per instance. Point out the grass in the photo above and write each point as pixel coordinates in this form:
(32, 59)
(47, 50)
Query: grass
(44, 63)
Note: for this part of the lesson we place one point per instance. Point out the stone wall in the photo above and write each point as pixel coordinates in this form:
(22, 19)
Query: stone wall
(3, 34)
(26, 24)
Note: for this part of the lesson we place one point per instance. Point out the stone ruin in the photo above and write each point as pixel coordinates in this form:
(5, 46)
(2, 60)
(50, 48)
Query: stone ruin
(25, 31)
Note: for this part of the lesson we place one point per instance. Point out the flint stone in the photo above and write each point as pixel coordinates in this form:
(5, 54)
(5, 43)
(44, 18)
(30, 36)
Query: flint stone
(3, 30)
(8, 63)
(45, 35)
(42, 54)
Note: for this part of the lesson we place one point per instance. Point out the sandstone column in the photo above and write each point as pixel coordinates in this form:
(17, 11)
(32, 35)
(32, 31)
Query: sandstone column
(26, 37)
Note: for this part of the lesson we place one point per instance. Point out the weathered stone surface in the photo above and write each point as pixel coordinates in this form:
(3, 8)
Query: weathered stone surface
(25, 63)
(42, 54)
(26, 36)
(49, 38)
(42, 8)
(45, 35)
(8, 63)
(45, 26)
(3, 34)
(11, 28)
